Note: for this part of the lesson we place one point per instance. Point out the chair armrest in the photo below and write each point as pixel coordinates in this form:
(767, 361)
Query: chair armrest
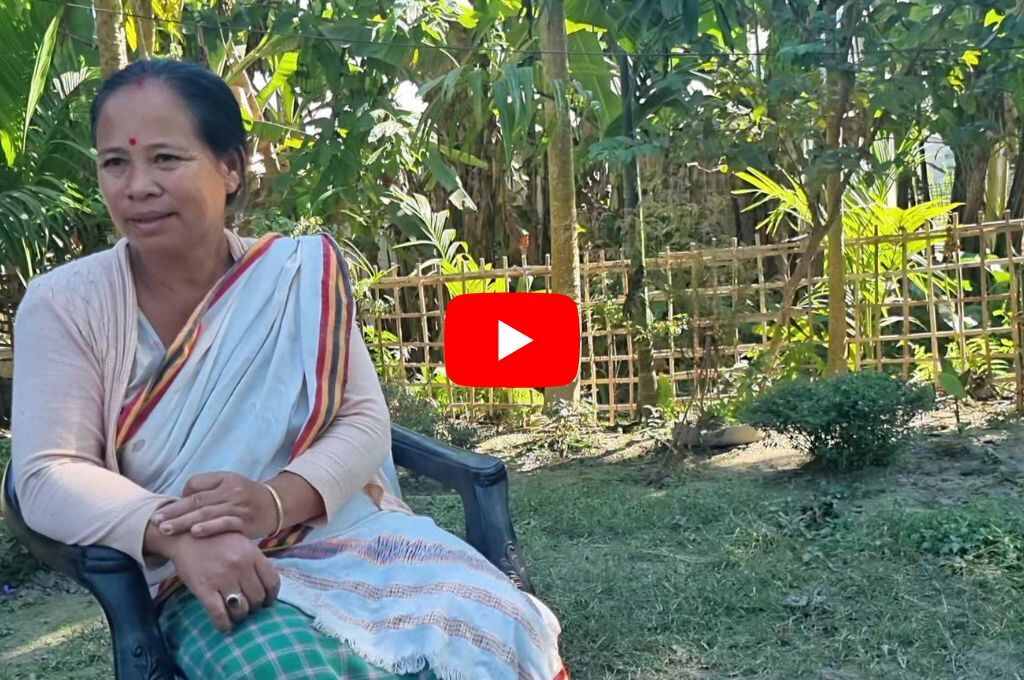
(482, 482)
(115, 580)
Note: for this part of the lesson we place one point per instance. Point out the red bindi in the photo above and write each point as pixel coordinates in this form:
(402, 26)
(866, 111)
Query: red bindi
(132, 141)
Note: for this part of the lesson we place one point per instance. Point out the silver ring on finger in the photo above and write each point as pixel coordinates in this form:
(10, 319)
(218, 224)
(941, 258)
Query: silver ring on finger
(235, 601)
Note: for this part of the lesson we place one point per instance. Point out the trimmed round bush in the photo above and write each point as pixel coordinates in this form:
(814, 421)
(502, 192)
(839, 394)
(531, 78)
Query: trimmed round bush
(846, 421)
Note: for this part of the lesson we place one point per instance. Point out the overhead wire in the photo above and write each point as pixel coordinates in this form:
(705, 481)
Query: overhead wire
(669, 54)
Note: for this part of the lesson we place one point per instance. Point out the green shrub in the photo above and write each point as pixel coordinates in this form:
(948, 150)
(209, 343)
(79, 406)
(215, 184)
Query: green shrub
(847, 421)
(412, 410)
(461, 433)
(568, 428)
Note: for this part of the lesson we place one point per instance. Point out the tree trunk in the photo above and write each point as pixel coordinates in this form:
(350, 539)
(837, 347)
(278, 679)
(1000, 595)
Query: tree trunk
(145, 27)
(905, 189)
(565, 271)
(840, 86)
(995, 183)
(926, 189)
(637, 307)
(1016, 199)
(110, 36)
(836, 284)
(969, 181)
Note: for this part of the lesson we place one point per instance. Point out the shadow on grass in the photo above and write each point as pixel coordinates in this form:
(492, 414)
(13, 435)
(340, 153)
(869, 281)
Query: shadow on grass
(661, 568)
(54, 635)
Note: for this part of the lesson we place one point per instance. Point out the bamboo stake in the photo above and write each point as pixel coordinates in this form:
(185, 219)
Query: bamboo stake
(905, 371)
(398, 333)
(1015, 323)
(876, 321)
(442, 305)
(472, 390)
(695, 324)
(378, 324)
(760, 288)
(983, 276)
(426, 337)
(961, 314)
(933, 322)
(671, 318)
(610, 348)
(490, 390)
(588, 314)
(735, 302)
(856, 349)
(630, 362)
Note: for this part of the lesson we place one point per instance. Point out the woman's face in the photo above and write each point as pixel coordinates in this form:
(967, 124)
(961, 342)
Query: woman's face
(164, 187)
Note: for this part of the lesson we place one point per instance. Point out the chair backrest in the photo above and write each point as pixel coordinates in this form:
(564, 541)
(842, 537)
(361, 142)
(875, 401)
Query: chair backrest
(9, 500)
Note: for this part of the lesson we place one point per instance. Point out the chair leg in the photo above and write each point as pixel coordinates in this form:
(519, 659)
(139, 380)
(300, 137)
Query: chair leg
(489, 529)
(140, 652)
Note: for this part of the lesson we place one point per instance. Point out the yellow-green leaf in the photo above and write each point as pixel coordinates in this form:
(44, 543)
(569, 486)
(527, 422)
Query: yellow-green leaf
(972, 58)
(462, 157)
(994, 18)
(129, 33)
(8, 147)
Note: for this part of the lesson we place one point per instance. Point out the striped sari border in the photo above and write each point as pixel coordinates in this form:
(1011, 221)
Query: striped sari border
(393, 548)
(452, 627)
(332, 354)
(371, 591)
(132, 418)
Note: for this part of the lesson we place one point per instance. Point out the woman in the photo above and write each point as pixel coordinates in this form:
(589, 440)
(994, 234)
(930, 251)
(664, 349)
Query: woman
(188, 393)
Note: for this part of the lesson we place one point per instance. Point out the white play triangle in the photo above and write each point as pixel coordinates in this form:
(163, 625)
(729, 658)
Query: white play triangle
(510, 340)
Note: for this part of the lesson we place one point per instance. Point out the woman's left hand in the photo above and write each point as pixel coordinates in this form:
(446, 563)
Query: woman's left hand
(219, 502)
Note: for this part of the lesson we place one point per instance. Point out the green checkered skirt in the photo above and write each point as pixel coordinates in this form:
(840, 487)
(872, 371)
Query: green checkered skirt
(276, 643)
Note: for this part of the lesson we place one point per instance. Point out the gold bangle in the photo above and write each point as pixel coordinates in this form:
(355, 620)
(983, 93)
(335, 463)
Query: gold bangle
(278, 506)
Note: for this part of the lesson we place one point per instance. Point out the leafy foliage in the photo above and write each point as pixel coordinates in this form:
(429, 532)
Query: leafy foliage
(972, 543)
(847, 421)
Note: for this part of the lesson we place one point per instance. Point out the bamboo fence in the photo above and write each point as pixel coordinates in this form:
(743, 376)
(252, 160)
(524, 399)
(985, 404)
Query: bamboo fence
(913, 298)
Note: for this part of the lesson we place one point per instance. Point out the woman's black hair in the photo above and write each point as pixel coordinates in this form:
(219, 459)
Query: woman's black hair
(217, 115)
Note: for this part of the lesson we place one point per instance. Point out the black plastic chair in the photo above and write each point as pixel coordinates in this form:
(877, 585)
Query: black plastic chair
(116, 580)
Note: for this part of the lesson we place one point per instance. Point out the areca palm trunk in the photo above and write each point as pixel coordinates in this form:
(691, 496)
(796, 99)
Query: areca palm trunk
(565, 268)
(638, 307)
(146, 28)
(110, 36)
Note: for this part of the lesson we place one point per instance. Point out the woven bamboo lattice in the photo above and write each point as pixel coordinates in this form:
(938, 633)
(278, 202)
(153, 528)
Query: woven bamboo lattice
(912, 298)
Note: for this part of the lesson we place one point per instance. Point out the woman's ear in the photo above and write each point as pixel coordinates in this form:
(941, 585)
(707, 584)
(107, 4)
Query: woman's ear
(233, 169)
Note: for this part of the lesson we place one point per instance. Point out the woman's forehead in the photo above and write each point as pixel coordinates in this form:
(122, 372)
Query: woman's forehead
(149, 113)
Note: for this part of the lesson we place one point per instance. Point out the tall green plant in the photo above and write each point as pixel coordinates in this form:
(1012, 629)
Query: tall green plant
(865, 214)
(451, 255)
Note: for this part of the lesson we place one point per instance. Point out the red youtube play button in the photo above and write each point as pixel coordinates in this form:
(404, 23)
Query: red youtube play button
(512, 340)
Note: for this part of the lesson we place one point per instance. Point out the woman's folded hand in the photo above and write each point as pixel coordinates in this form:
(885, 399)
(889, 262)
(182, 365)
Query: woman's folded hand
(228, 574)
(215, 503)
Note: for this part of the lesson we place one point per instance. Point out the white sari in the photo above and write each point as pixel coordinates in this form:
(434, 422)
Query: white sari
(246, 387)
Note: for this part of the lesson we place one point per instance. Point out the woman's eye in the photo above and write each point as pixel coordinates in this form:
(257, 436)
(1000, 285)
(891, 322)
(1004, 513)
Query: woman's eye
(113, 162)
(165, 158)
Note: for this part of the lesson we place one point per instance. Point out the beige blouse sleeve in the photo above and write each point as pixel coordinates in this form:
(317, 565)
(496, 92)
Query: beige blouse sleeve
(347, 456)
(58, 435)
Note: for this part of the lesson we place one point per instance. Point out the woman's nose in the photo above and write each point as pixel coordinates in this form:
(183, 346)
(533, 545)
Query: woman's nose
(141, 182)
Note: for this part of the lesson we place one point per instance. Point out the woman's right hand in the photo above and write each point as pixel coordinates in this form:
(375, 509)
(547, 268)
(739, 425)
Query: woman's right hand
(216, 566)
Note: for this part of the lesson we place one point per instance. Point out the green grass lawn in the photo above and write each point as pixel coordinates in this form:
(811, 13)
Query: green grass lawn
(693, 571)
